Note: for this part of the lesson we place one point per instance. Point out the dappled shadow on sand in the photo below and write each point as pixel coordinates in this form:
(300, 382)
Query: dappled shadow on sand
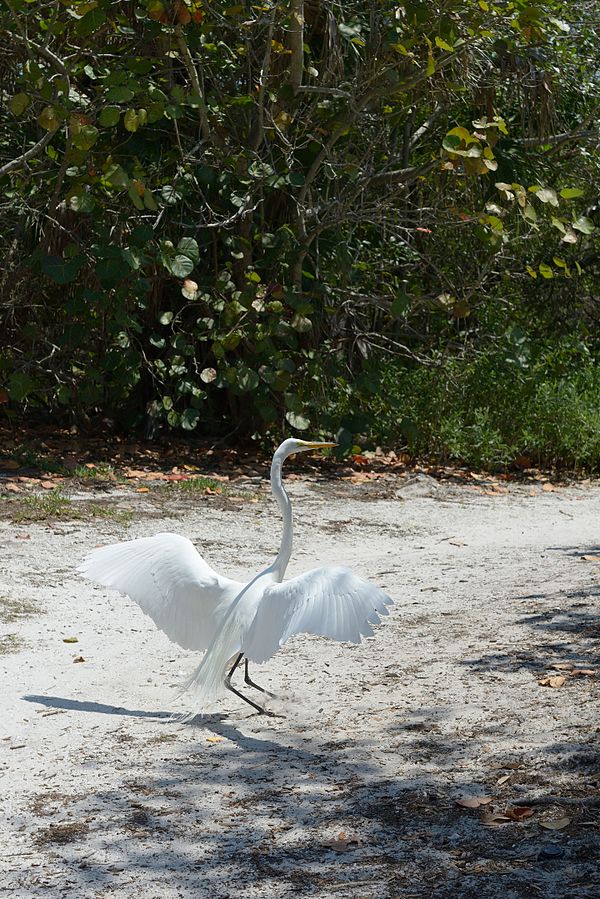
(214, 809)
(566, 629)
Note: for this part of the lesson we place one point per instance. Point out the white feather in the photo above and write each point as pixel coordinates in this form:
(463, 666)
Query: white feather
(330, 602)
(170, 581)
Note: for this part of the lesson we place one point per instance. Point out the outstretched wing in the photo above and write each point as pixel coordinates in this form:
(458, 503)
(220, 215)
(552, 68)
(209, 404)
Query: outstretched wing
(169, 580)
(330, 602)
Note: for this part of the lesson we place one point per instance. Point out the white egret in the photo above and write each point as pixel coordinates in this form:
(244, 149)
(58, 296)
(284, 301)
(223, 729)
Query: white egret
(202, 610)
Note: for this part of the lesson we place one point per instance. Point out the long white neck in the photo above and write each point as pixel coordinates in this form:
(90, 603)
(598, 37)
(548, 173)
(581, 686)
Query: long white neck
(283, 501)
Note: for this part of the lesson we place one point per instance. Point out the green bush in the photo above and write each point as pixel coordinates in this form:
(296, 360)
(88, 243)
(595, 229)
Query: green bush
(482, 410)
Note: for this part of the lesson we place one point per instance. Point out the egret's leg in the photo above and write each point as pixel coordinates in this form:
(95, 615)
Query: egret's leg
(251, 683)
(241, 695)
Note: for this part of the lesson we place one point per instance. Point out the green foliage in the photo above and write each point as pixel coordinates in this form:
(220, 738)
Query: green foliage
(212, 216)
(465, 411)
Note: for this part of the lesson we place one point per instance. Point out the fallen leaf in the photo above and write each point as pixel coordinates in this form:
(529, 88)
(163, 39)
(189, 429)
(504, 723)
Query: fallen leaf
(22, 536)
(12, 488)
(473, 801)
(493, 819)
(142, 490)
(70, 640)
(503, 779)
(523, 462)
(583, 672)
(555, 824)
(79, 659)
(591, 558)
(519, 812)
(549, 488)
(555, 681)
(215, 739)
(344, 843)
(561, 666)
(47, 485)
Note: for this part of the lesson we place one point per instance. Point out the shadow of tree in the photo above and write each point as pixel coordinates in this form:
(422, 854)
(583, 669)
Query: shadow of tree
(218, 812)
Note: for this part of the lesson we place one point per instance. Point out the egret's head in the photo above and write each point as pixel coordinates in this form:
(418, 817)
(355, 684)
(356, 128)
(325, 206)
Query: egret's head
(294, 445)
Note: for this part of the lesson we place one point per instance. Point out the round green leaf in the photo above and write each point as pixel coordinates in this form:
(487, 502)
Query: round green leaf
(181, 266)
(119, 94)
(49, 118)
(190, 419)
(91, 21)
(131, 120)
(187, 246)
(297, 421)
(84, 136)
(109, 116)
(19, 103)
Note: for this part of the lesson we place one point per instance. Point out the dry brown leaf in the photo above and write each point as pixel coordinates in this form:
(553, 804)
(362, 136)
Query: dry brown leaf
(503, 779)
(493, 819)
(215, 739)
(47, 485)
(562, 666)
(22, 536)
(78, 659)
(554, 680)
(519, 812)
(523, 462)
(591, 558)
(583, 672)
(142, 490)
(473, 801)
(70, 640)
(12, 488)
(555, 823)
(343, 843)
(549, 488)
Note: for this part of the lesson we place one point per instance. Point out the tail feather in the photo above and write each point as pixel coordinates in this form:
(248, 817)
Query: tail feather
(207, 682)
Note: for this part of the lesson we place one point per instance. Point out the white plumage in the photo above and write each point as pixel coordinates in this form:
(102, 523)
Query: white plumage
(200, 609)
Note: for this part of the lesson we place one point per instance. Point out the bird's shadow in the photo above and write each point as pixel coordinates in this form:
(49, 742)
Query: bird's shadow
(75, 705)
(216, 722)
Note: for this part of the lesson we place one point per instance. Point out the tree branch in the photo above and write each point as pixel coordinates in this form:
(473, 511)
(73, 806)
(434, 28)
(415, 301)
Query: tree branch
(188, 62)
(296, 43)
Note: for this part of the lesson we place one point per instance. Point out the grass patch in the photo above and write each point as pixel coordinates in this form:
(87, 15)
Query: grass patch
(10, 643)
(201, 485)
(16, 609)
(98, 472)
(198, 486)
(54, 506)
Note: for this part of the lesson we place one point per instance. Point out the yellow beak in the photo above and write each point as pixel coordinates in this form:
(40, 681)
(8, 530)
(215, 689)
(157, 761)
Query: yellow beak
(313, 445)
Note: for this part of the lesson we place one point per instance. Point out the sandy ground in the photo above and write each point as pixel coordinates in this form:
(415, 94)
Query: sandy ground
(353, 793)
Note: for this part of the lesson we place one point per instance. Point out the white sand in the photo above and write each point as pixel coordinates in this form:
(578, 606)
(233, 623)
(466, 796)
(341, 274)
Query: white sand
(378, 741)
